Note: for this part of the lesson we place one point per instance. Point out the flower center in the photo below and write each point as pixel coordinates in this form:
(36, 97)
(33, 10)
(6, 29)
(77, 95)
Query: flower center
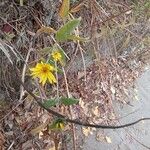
(44, 69)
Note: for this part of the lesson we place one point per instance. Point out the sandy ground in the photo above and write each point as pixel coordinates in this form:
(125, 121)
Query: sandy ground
(136, 137)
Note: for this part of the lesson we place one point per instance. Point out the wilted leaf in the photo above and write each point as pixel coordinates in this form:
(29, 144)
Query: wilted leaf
(108, 139)
(39, 128)
(47, 30)
(76, 8)
(49, 103)
(9, 36)
(69, 101)
(66, 30)
(64, 9)
(96, 111)
(7, 28)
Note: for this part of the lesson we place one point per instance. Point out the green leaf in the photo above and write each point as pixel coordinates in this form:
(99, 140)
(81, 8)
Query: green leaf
(77, 38)
(66, 30)
(51, 62)
(64, 9)
(50, 103)
(69, 101)
(57, 124)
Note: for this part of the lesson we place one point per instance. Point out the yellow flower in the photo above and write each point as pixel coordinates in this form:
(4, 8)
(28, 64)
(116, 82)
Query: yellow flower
(60, 125)
(44, 72)
(57, 55)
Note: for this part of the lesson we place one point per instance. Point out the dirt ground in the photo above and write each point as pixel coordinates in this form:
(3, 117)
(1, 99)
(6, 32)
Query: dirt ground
(100, 72)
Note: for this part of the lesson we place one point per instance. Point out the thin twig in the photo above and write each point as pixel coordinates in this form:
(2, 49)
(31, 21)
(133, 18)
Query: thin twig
(81, 50)
(37, 99)
(24, 72)
(70, 109)
(9, 148)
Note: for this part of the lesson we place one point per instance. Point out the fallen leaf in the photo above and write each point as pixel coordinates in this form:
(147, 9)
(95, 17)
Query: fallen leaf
(40, 134)
(113, 90)
(81, 103)
(86, 131)
(39, 128)
(100, 137)
(2, 140)
(76, 8)
(96, 111)
(64, 9)
(108, 139)
(52, 148)
(81, 74)
(47, 30)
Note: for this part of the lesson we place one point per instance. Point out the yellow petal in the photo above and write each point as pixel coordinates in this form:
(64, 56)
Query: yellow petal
(61, 126)
(51, 78)
(43, 79)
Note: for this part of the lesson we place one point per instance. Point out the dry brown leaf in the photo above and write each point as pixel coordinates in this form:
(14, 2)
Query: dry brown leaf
(27, 145)
(47, 30)
(113, 90)
(52, 148)
(39, 128)
(64, 9)
(81, 74)
(86, 131)
(76, 8)
(96, 111)
(81, 103)
(2, 140)
(100, 137)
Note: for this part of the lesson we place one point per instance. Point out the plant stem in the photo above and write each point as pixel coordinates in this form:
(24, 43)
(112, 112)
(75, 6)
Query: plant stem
(70, 109)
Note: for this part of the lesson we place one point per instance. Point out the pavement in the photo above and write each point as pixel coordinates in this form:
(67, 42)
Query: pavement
(136, 137)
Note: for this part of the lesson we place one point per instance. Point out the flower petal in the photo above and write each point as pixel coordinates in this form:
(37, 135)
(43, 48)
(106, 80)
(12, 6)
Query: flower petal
(51, 78)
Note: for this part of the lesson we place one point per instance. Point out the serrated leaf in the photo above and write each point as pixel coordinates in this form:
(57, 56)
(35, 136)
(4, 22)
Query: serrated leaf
(77, 38)
(69, 101)
(66, 30)
(64, 9)
(47, 30)
(50, 103)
